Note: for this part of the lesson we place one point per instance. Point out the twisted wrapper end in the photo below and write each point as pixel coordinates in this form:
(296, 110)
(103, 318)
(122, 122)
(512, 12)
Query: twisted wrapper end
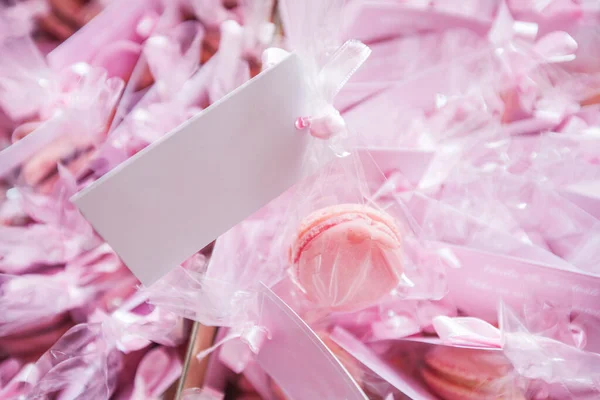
(326, 121)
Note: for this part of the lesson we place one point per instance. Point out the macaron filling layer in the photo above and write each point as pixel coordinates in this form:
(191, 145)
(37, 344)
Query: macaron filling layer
(452, 390)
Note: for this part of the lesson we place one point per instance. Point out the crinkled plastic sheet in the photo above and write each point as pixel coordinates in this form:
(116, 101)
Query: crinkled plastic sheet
(88, 359)
(535, 212)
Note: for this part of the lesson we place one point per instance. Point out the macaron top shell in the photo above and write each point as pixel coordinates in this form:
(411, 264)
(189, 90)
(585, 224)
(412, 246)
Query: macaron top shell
(325, 218)
(347, 256)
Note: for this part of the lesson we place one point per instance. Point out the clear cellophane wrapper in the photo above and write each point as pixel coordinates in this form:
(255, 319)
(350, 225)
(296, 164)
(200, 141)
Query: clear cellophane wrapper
(532, 354)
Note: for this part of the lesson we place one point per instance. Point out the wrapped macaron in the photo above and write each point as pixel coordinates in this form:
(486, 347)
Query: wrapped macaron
(459, 373)
(350, 248)
(347, 256)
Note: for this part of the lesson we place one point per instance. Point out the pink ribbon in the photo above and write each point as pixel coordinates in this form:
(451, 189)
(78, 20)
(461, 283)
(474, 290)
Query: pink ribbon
(173, 57)
(211, 12)
(467, 331)
(345, 61)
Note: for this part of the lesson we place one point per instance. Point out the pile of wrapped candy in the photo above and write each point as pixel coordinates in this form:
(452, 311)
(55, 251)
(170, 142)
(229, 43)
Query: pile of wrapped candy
(300, 199)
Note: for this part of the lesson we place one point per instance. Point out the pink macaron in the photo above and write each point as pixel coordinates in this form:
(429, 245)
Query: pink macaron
(33, 340)
(464, 374)
(346, 257)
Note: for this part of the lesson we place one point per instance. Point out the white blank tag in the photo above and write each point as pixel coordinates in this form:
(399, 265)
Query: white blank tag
(179, 194)
(293, 345)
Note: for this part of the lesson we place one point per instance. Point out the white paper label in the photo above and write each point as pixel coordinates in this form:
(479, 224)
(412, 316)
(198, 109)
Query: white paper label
(296, 358)
(179, 194)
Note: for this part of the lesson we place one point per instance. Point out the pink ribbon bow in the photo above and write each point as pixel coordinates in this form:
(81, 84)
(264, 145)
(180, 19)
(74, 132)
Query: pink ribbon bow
(326, 121)
(562, 368)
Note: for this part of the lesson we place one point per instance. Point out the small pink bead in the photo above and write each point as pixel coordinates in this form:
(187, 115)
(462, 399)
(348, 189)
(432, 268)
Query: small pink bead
(302, 123)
